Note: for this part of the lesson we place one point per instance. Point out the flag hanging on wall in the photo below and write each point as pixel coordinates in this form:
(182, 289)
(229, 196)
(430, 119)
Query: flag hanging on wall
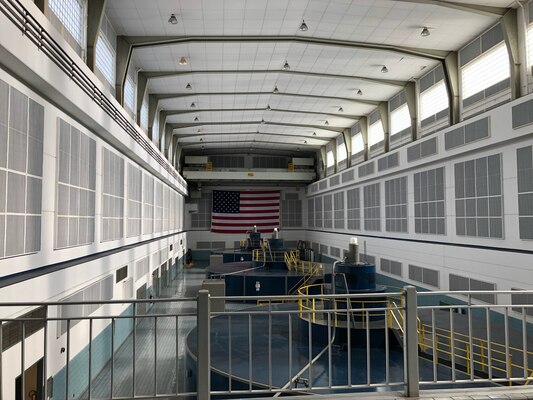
(238, 211)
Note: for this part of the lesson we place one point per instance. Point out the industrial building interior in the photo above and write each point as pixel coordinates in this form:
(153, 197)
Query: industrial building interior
(230, 198)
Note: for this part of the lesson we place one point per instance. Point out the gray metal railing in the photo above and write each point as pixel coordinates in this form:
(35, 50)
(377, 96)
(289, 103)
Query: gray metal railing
(287, 344)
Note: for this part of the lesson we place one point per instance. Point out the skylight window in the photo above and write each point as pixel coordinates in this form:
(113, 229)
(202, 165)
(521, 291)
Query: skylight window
(485, 71)
(433, 100)
(400, 119)
(71, 15)
(105, 59)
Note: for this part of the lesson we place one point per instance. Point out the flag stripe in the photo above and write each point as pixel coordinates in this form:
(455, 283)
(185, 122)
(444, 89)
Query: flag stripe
(239, 211)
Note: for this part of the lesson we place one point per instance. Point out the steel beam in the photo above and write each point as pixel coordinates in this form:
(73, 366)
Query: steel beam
(329, 128)
(95, 15)
(487, 11)
(182, 112)
(509, 24)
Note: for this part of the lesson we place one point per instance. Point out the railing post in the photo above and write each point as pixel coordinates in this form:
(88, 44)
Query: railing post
(203, 332)
(410, 338)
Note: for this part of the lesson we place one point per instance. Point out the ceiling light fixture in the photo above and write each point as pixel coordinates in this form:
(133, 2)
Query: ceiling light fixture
(196, 119)
(286, 66)
(188, 87)
(268, 107)
(341, 109)
(199, 130)
(263, 121)
(193, 105)
(275, 91)
(173, 20)
(182, 61)
(359, 92)
(314, 133)
(425, 32)
(303, 26)
(384, 69)
(326, 123)
(305, 141)
(201, 139)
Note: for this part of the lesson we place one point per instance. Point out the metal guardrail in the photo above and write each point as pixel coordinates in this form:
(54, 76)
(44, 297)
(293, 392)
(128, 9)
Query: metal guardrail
(445, 339)
(33, 30)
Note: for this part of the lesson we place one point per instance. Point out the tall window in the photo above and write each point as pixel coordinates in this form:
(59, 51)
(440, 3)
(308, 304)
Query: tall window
(376, 133)
(400, 119)
(341, 152)
(129, 94)
(105, 59)
(144, 116)
(358, 144)
(486, 71)
(433, 100)
(71, 15)
(330, 159)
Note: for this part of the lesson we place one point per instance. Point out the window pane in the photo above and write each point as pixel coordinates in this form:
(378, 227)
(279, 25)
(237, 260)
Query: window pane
(486, 71)
(400, 119)
(70, 13)
(375, 133)
(105, 59)
(341, 152)
(433, 100)
(330, 159)
(357, 143)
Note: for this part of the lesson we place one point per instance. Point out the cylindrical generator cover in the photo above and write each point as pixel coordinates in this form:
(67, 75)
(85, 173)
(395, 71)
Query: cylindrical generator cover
(359, 277)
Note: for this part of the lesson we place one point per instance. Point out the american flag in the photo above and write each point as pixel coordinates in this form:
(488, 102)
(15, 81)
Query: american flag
(239, 211)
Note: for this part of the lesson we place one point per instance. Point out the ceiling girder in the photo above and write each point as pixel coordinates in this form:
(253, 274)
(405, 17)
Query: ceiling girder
(188, 135)
(487, 11)
(325, 128)
(151, 41)
(195, 111)
(167, 74)
(169, 96)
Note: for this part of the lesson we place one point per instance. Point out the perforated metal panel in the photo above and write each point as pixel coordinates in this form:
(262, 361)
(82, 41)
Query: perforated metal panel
(334, 252)
(291, 211)
(371, 207)
(338, 204)
(367, 169)
(334, 180)
(323, 185)
(468, 133)
(429, 194)
(424, 275)
(348, 176)
(328, 211)
(353, 209)
(524, 161)
(396, 205)
(134, 210)
(318, 212)
(522, 114)
(112, 196)
(324, 249)
(478, 197)
(391, 267)
(423, 149)
(311, 213)
(389, 161)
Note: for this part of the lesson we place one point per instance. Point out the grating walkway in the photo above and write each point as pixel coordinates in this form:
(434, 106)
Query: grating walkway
(167, 348)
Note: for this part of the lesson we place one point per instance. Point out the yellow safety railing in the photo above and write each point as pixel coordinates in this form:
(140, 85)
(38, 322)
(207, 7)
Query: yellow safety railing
(476, 352)
(315, 305)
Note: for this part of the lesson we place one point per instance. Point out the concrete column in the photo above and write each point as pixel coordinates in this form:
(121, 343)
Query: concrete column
(509, 24)
(347, 134)
(384, 116)
(153, 103)
(124, 50)
(410, 339)
(363, 124)
(451, 79)
(203, 332)
(95, 15)
(142, 84)
(410, 94)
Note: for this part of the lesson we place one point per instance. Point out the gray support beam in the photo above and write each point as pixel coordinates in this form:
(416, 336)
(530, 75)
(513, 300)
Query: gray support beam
(178, 151)
(124, 50)
(451, 78)
(328, 128)
(147, 41)
(203, 332)
(169, 74)
(166, 141)
(42, 5)
(410, 340)
(196, 111)
(153, 103)
(251, 142)
(410, 94)
(95, 15)
(347, 135)
(204, 134)
(162, 126)
(169, 96)
(384, 116)
(363, 124)
(509, 25)
(142, 85)
(488, 11)
(323, 162)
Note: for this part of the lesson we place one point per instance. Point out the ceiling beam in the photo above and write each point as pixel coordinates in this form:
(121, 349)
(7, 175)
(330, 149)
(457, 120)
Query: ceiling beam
(169, 96)
(188, 135)
(168, 74)
(325, 128)
(487, 11)
(169, 113)
(252, 142)
(151, 41)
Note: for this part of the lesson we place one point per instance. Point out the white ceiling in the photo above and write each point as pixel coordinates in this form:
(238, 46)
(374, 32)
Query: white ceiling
(232, 80)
